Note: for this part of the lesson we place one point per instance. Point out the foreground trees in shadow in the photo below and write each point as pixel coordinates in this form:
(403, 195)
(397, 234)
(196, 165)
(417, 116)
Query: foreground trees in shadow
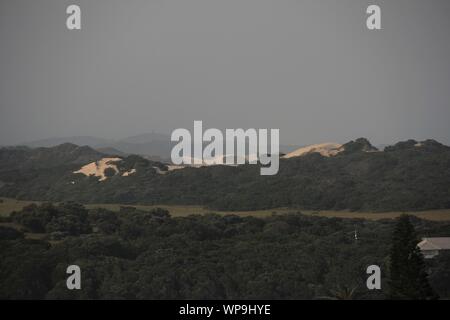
(408, 276)
(134, 254)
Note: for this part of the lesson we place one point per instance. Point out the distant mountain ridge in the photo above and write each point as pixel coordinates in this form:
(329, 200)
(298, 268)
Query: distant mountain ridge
(77, 140)
(152, 145)
(148, 144)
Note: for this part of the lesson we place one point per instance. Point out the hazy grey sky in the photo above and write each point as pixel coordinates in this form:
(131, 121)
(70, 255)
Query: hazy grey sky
(309, 68)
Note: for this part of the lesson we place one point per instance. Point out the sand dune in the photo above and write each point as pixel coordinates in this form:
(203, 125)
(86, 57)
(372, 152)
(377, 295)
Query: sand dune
(325, 149)
(98, 168)
(127, 173)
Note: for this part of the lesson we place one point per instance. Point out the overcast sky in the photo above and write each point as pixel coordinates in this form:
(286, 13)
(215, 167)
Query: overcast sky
(310, 68)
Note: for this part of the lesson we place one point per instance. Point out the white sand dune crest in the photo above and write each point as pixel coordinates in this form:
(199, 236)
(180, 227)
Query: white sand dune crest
(327, 149)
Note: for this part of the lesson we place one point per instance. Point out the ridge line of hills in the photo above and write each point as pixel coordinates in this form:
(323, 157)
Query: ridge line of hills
(409, 175)
(154, 146)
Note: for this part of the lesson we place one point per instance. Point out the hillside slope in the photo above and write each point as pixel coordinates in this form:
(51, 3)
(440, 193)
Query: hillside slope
(406, 176)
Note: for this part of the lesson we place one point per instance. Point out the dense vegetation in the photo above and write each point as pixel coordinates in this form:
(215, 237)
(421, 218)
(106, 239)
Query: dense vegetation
(408, 276)
(406, 176)
(150, 255)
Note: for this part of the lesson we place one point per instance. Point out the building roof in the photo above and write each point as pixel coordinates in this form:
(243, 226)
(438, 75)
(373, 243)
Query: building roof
(442, 243)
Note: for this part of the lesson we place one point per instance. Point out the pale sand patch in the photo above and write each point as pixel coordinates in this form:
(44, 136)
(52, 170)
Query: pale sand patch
(327, 149)
(169, 168)
(98, 168)
(126, 174)
(159, 171)
(174, 167)
(219, 160)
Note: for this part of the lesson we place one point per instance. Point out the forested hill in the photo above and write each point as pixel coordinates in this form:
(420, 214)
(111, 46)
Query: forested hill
(406, 176)
(25, 158)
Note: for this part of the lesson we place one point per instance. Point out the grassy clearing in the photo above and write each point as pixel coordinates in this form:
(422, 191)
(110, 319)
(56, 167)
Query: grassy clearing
(9, 205)
(432, 215)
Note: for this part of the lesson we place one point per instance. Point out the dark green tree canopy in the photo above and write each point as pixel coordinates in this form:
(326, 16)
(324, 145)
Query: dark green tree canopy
(408, 277)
